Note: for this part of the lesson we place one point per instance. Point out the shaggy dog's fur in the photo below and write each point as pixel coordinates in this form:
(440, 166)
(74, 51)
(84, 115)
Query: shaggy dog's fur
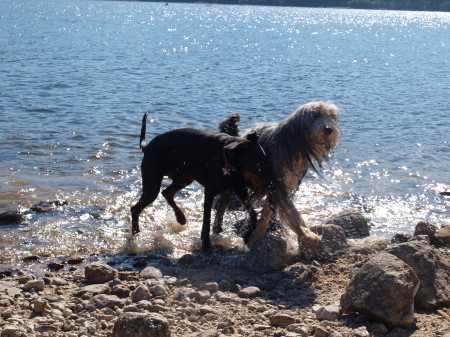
(302, 141)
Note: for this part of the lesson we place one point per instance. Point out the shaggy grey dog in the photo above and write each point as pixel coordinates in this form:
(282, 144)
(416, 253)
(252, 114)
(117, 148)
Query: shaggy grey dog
(302, 141)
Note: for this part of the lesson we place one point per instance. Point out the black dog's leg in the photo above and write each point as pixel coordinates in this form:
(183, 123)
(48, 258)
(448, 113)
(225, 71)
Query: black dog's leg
(151, 186)
(206, 241)
(242, 195)
(169, 193)
(221, 207)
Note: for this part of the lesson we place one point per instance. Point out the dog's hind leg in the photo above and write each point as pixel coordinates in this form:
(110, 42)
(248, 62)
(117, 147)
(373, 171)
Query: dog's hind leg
(207, 206)
(169, 193)
(221, 207)
(150, 192)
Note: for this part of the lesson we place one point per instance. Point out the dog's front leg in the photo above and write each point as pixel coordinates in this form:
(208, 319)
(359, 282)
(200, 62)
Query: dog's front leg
(209, 197)
(289, 214)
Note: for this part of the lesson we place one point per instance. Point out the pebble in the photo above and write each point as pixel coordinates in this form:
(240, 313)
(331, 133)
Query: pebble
(40, 305)
(328, 312)
(93, 289)
(222, 297)
(281, 319)
(201, 295)
(140, 293)
(159, 290)
(249, 292)
(151, 273)
(34, 284)
(59, 281)
(320, 332)
(210, 286)
(361, 332)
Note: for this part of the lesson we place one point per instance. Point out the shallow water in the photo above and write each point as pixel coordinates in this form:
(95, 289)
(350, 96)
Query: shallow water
(76, 78)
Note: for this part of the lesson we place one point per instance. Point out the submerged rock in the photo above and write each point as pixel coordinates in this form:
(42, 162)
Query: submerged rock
(47, 206)
(11, 218)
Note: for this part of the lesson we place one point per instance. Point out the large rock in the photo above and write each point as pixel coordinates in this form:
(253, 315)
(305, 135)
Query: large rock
(354, 223)
(333, 241)
(135, 324)
(268, 253)
(433, 270)
(384, 289)
(99, 272)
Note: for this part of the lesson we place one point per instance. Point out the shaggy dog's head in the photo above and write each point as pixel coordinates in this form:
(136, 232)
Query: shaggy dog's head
(313, 133)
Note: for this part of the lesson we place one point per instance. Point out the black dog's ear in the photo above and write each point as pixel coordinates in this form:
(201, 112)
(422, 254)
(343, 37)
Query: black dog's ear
(253, 137)
(234, 145)
(231, 152)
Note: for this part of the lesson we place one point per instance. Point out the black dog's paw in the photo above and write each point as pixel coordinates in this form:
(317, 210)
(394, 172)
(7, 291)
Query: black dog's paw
(181, 218)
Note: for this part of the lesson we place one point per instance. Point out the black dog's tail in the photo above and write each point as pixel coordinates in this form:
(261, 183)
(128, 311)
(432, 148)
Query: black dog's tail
(143, 143)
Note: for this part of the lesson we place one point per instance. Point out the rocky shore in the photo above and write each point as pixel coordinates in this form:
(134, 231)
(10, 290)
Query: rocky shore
(345, 287)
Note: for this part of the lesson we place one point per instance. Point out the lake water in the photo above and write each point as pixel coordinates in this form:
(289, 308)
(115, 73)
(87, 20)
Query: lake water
(77, 76)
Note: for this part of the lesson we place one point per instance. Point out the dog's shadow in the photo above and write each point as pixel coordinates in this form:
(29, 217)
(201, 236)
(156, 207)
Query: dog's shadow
(290, 287)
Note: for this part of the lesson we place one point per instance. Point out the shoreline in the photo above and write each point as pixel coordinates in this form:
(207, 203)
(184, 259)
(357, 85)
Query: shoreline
(200, 295)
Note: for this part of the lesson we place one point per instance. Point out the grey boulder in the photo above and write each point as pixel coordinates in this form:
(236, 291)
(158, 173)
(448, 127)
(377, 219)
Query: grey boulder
(432, 269)
(384, 289)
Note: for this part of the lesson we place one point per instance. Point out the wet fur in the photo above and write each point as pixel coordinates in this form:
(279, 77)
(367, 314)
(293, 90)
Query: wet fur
(302, 141)
(219, 162)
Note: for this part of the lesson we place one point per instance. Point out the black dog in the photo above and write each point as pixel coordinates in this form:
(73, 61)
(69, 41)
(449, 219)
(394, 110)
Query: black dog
(219, 162)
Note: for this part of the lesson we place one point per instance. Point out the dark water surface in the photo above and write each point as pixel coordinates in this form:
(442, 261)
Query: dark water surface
(77, 76)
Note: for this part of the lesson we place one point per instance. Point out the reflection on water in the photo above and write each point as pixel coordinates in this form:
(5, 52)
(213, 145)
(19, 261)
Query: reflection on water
(95, 221)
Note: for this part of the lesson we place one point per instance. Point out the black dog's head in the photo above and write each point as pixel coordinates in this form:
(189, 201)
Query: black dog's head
(248, 159)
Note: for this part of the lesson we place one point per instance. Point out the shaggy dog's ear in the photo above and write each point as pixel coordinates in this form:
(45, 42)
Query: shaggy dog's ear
(253, 137)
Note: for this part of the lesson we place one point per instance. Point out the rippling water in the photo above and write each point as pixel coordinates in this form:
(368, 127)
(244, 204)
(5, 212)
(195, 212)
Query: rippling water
(77, 76)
